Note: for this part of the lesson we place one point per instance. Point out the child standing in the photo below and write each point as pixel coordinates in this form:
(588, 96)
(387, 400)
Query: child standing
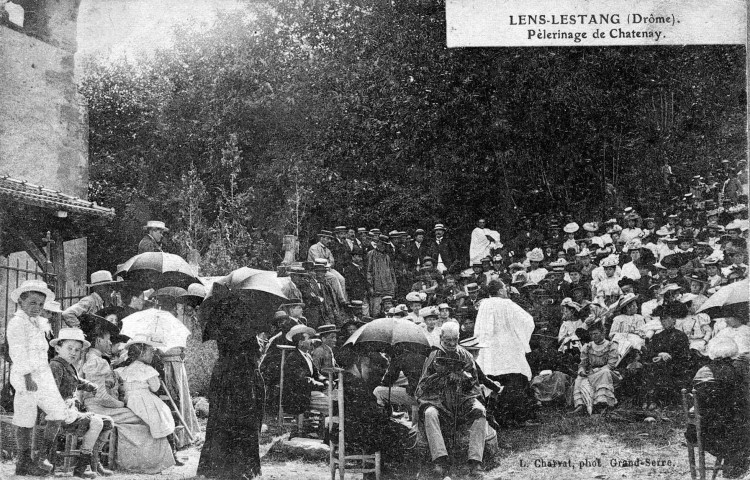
(31, 376)
(141, 382)
(68, 345)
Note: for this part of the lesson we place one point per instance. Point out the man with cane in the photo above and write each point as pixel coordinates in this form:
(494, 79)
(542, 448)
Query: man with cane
(448, 394)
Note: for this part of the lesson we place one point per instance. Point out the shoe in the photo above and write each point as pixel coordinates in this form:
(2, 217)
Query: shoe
(577, 410)
(178, 462)
(25, 466)
(103, 471)
(475, 468)
(440, 467)
(83, 467)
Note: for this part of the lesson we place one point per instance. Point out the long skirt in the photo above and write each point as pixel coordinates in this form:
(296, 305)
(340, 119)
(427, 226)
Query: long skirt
(556, 387)
(137, 450)
(175, 378)
(597, 388)
(231, 450)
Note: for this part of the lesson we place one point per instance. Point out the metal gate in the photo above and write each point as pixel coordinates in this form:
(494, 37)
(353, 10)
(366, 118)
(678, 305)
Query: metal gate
(14, 270)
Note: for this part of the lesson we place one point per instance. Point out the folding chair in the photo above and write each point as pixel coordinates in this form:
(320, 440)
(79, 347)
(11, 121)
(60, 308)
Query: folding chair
(692, 413)
(337, 455)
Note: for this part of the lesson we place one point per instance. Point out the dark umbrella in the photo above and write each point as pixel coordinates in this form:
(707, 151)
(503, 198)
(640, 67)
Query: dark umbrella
(246, 293)
(385, 333)
(158, 270)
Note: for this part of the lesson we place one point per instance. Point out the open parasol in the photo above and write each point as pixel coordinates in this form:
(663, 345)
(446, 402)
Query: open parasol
(728, 301)
(160, 325)
(158, 270)
(389, 332)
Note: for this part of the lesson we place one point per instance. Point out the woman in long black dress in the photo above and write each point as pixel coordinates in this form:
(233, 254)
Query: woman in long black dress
(236, 392)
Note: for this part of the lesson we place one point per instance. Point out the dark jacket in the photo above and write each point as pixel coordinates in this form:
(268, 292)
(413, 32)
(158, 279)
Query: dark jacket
(445, 249)
(67, 379)
(298, 383)
(356, 281)
(411, 364)
(148, 244)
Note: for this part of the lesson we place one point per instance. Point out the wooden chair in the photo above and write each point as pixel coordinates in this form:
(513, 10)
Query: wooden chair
(692, 413)
(298, 419)
(337, 454)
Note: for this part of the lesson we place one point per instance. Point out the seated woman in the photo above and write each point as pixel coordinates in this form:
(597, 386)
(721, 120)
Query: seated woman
(137, 450)
(595, 384)
(665, 359)
(567, 337)
(628, 326)
(723, 408)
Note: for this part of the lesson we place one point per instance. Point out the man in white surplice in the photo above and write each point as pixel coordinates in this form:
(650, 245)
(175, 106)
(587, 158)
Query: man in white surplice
(483, 240)
(504, 329)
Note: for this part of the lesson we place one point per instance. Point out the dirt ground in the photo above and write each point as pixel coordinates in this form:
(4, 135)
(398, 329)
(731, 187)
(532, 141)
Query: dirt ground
(621, 446)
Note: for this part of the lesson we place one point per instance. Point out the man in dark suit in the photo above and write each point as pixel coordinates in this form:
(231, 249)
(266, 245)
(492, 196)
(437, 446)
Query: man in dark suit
(356, 277)
(303, 385)
(417, 250)
(152, 241)
(441, 249)
(339, 248)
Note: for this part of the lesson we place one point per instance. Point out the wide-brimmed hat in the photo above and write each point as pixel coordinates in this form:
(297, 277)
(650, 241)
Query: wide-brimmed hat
(413, 297)
(471, 343)
(37, 286)
(591, 226)
(626, 300)
(663, 231)
(571, 228)
(155, 224)
(326, 329)
(673, 261)
(633, 244)
(299, 329)
(92, 322)
(536, 255)
(102, 277)
(429, 312)
(670, 287)
(151, 340)
(568, 302)
(609, 261)
(70, 334)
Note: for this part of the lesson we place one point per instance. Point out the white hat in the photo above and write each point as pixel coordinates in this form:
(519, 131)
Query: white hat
(609, 261)
(590, 226)
(428, 312)
(571, 228)
(598, 241)
(535, 255)
(299, 329)
(583, 253)
(321, 261)
(151, 340)
(53, 306)
(70, 334)
(439, 226)
(102, 277)
(32, 286)
(443, 306)
(155, 224)
(413, 297)
(568, 302)
(633, 244)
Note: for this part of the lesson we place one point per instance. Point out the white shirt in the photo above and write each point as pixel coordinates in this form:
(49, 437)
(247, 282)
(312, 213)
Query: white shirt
(505, 329)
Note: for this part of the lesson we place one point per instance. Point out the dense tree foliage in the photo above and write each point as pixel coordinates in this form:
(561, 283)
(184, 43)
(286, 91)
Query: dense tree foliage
(303, 115)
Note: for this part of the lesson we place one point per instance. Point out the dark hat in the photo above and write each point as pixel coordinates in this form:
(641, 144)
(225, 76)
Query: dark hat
(626, 281)
(91, 323)
(461, 312)
(472, 287)
(698, 276)
(673, 261)
(671, 310)
(573, 267)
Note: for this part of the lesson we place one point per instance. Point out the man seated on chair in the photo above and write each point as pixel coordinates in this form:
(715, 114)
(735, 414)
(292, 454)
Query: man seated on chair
(94, 429)
(448, 395)
(304, 387)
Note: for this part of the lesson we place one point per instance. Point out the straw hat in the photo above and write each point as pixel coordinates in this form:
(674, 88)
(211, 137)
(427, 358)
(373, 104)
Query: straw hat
(536, 255)
(429, 312)
(299, 329)
(156, 224)
(102, 277)
(37, 286)
(70, 334)
(626, 300)
(571, 228)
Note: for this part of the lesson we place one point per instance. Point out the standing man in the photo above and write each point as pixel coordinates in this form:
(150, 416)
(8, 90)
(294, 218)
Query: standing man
(381, 279)
(101, 287)
(441, 249)
(154, 233)
(351, 241)
(356, 280)
(339, 247)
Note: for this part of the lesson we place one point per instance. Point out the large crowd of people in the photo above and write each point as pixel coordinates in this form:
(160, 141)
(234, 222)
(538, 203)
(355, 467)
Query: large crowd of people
(588, 313)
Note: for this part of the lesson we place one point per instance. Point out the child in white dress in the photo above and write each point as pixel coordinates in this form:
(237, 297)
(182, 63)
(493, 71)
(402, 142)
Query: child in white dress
(140, 382)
